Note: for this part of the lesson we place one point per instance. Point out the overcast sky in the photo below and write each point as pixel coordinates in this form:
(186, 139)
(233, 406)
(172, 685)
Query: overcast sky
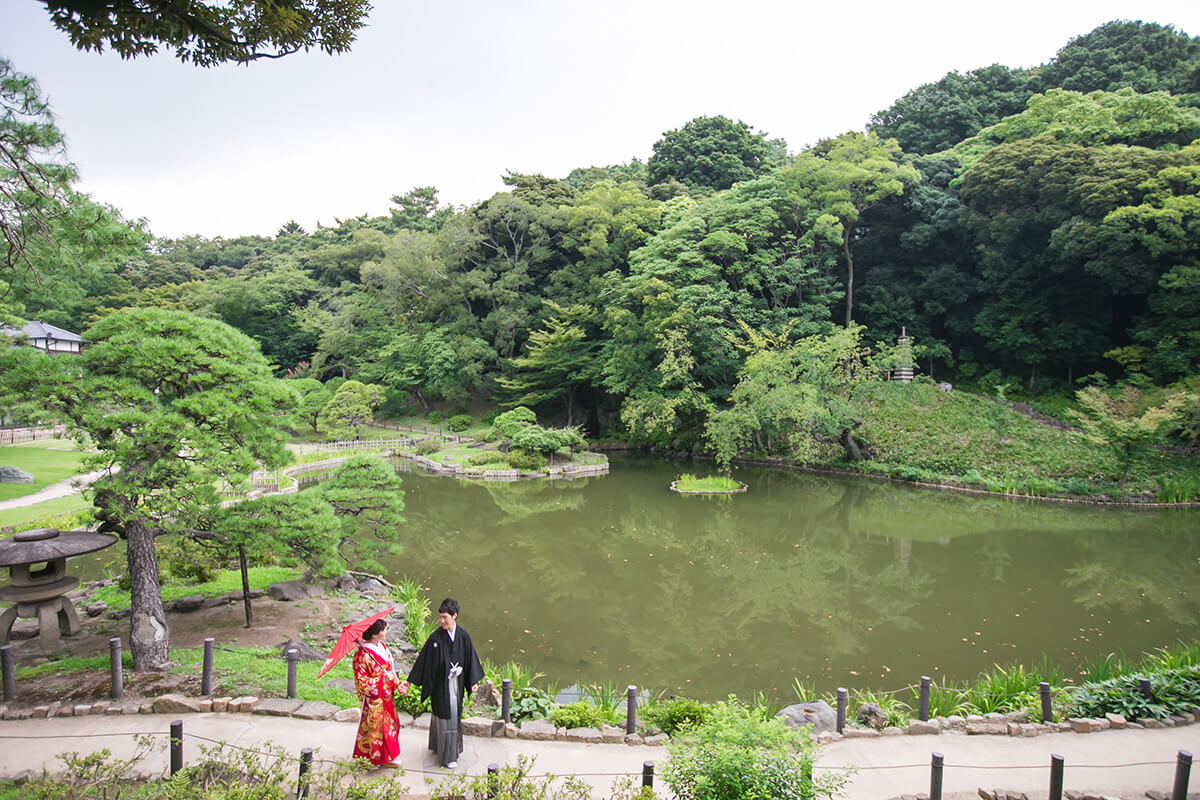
(456, 92)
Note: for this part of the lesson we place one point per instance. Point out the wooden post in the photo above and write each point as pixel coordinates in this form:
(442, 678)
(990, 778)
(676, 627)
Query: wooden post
(305, 767)
(648, 773)
(935, 777)
(506, 700)
(1056, 776)
(207, 669)
(1047, 708)
(114, 668)
(10, 678)
(292, 655)
(631, 709)
(1144, 685)
(176, 746)
(493, 779)
(925, 698)
(842, 699)
(1183, 768)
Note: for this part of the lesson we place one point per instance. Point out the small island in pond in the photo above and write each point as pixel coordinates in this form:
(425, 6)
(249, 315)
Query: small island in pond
(712, 484)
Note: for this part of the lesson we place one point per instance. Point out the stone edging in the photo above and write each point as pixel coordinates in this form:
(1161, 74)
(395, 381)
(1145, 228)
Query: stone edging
(543, 730)
(1015, 724)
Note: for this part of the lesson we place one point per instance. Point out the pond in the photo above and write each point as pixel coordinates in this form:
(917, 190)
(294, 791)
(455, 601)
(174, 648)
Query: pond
(827, 580)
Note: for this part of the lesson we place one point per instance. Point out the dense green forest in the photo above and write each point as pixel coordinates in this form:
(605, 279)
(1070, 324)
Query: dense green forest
(1027, 227)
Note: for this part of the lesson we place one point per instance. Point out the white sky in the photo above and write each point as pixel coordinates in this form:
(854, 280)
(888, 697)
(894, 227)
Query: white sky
(455, 92)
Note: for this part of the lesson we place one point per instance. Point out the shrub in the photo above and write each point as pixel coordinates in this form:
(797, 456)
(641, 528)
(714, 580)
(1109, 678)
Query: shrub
(187, 561)
(580, 714)
(1173, 691)
(426, 446)
(736, 754)
(434, 417)
(526, 461)
(459, 422)
(530, 703)
(670, 716)
(496, 459)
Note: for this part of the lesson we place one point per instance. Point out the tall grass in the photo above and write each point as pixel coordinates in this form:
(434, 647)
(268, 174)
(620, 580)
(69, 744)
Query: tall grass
(1105, 667)
(1179, 487)
(418, 618)
(945, 699)
(896, 712)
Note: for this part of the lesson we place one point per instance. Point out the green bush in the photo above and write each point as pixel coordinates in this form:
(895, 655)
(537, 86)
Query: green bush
(670, 716)
(187, 561)
(580, 714)
(1173, 691)
(526, 461)
(496, 459)
(736, 754)
(530, 703)
(459, 422)
(434, 417)
(427, 446)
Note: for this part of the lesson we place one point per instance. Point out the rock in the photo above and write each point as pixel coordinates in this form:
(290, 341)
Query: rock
(347, 582)
(305, 652)
(131, 708)
(634, 739)
(560, 734)
(1149, 722)
(918, 728)
(1167, 722)
(656, 740)
(588, 735)
(404, 719)
(16, 713)
(287, 591)
(81, 710)
(987, 727)
(347, 715)
(213, 602)
(113, 711)
(1080, 725)
(187, 604)
(121, 613)
(481, 726)
(870, 715)
(1013, 729)
(221, 703)
(39, 712)
(817, 713)
(1029, 729)
(1017, 716)
(1179, 719)
(176, 704)
(1115, 721)
(278, 707)
(95, 609)
(860, 733)
(539, 730)
(313, 709)
(206, 705)
(486, 697)
(611, 734)
(955, 722)
(345, 684)
(422, 722)
(892, 730)
(372, 587)
(986, 795)
(512, 731)
(245, 704)
(15, 475)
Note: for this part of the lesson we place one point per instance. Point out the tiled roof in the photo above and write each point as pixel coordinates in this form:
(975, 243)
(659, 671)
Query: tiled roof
(41, 330)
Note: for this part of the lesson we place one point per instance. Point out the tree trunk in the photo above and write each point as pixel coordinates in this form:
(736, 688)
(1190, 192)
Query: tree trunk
(245, 585)
(570, 397)
(148, 634)
(421, 397)
(853, 451)
(849, 274)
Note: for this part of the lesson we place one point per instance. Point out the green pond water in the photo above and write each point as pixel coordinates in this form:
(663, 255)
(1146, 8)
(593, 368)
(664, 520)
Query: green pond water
(829, 580)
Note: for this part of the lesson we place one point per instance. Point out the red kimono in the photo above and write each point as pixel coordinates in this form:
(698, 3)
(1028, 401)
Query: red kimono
(378, 728)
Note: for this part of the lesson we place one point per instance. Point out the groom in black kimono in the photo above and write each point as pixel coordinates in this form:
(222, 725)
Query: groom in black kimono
(446, 666)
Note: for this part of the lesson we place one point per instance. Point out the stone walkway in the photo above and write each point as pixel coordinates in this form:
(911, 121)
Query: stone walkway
(64, 488)
(1112, 763)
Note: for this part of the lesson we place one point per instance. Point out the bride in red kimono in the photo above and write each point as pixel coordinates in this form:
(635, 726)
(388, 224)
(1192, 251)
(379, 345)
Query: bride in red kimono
(375, 682)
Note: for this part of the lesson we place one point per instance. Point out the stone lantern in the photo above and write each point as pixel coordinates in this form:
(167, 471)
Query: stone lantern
(41, 593)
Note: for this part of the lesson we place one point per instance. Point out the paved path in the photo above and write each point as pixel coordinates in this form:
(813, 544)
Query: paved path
(1123, 763)
(65, 487)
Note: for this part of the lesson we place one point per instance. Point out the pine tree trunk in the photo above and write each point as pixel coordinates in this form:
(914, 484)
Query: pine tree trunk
(148, 634)
(849, 276)
(853, 451)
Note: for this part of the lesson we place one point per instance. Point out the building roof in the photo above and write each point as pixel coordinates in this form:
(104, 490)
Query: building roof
(37, 329)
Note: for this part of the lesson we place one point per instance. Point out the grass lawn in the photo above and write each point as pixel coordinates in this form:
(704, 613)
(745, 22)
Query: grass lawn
(24, 516)
(50, 461)
(225, 582)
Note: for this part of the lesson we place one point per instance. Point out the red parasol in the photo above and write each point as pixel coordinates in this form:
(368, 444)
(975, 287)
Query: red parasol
(351, 636)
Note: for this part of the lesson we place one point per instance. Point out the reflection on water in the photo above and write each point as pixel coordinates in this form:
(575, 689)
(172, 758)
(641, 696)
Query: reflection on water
(835, 581)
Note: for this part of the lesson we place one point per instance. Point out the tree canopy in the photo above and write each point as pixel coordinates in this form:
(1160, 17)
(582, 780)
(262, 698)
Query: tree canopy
(208, 34)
